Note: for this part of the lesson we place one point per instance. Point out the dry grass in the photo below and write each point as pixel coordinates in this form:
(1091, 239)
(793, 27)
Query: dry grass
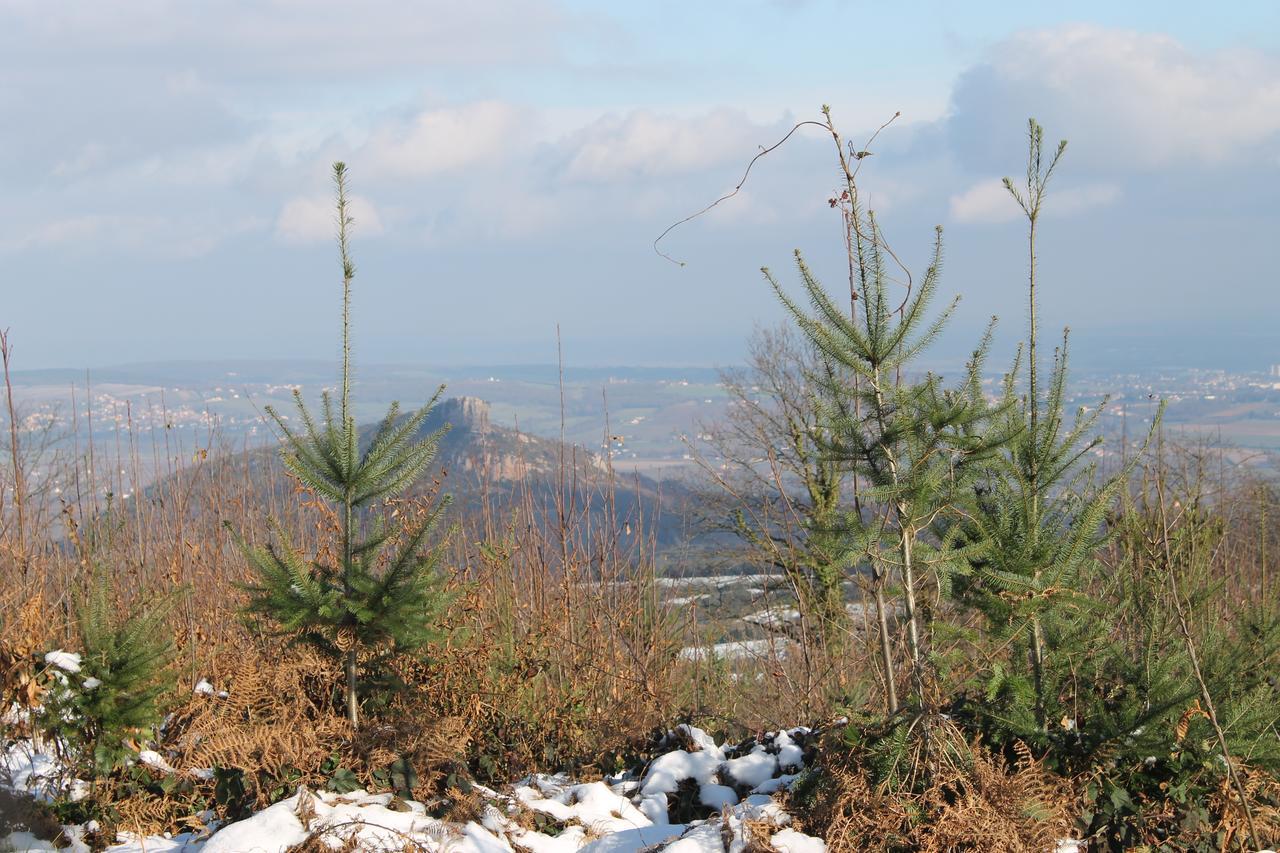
(959, 797)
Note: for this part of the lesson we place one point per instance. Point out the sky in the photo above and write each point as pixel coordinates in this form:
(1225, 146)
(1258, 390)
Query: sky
(165, 193)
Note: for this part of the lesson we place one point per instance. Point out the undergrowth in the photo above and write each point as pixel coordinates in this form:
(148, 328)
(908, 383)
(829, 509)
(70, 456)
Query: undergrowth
(960, 795)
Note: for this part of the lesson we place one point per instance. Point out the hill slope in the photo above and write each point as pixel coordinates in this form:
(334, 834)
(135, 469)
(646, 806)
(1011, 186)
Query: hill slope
(484, 466)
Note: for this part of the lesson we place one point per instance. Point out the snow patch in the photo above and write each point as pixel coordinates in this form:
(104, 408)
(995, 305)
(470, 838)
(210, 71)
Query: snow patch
(753, 769)
(717, 796)
(66, 661)
(737, 649)
(791, 841)
(155, 760)
(623, 814)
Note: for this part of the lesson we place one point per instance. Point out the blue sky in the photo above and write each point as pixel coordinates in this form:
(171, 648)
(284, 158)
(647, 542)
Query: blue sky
(165, 192)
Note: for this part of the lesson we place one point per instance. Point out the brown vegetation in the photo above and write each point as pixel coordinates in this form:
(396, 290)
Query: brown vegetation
(973, 800)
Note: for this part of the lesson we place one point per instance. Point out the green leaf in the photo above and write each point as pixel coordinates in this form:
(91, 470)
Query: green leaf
(403, 777)
(343, 781)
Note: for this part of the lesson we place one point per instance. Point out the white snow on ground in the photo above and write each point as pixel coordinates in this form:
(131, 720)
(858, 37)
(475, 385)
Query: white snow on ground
(737, 649)
(151, 758)
(341, 816)
(774, 618)
(27, 767)
(717, 796)
(24, 841)
(714, 581)
(790, 755)
(790, 841)
(625, 814)
(685, 601)
(667, 771)
(754, 768)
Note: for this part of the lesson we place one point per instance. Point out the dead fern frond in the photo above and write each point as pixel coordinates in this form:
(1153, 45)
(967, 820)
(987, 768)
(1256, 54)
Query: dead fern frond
(977, 804)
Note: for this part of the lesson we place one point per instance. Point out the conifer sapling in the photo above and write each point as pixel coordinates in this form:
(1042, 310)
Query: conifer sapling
(385, 594)
(911, 444)
(1041, 507)
(108, 694)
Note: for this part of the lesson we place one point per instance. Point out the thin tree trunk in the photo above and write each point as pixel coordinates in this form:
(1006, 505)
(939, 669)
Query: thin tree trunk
(1037, 662)
(853, 251)
(353, 705)
(906, 535)
(349, 664)
(1033, 403)
(904, 553)
(886, 653)
(348, 424)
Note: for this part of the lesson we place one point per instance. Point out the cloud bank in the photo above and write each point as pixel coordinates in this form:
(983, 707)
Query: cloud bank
(181, 143)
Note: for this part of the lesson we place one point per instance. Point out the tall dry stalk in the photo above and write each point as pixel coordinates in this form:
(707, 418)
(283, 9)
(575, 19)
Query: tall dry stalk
(19, 487)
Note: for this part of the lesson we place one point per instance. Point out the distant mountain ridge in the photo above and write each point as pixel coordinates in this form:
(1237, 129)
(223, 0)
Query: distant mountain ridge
(475, 448)
(483, 465)
(485, 461)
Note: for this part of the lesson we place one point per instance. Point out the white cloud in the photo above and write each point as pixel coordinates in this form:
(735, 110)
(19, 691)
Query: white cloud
(310, 219)
(989, 202)
(493, 171)
(1127, 100)
(643, 144)
(58, 232)
(89, 156)
(148, 235)
(496, 173)
(1077, 199)
(287, 37)
(448, 139)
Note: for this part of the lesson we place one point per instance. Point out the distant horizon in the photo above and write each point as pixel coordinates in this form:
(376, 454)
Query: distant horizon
(1099, 352)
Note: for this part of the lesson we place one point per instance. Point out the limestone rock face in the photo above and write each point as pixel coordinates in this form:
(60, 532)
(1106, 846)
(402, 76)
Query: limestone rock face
(470, 413)
(474, 445)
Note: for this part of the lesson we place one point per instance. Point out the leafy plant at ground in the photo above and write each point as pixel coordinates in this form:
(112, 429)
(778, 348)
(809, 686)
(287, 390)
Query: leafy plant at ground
(969, 799)
(1095, 667)
(1041, 509)
(1177, 731)
(1108, 653)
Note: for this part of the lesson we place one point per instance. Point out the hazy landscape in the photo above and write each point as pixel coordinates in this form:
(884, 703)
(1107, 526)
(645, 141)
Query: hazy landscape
(552, 426)
(656, 412)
